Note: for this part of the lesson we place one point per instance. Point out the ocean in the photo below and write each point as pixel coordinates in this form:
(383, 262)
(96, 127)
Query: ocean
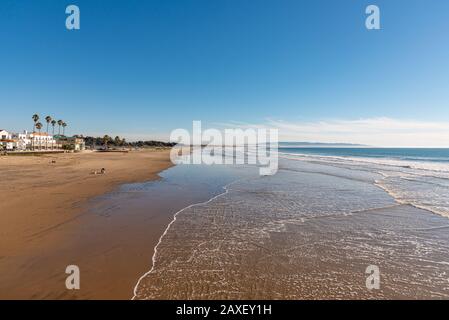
(420, 155)
(311, 230)
(415, 176)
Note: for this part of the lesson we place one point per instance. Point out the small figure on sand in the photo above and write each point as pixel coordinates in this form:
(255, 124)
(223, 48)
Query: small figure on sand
(102, 171)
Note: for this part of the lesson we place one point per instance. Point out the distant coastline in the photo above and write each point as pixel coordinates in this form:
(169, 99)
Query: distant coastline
(319, 144)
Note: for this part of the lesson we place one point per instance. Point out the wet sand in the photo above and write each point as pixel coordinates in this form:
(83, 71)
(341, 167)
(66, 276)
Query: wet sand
(309, 232)
(45, 224)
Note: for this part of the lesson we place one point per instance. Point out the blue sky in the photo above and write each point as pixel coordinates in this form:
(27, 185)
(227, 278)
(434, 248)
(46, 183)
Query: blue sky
(142, 68)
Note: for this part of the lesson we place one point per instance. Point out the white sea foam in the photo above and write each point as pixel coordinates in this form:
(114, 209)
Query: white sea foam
(419, 165)
(155, 252)
(422, 184)
(272, 237)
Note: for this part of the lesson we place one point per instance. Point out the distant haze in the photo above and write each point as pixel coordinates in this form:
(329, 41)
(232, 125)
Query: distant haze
(379, 132)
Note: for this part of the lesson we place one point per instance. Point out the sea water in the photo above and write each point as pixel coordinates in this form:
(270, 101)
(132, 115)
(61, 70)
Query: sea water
(310, 232)
(415, 176)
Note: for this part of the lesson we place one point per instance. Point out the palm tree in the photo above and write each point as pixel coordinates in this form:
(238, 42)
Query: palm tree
(63, 128)
(117, 141)
(48, 120)
(60, 122)
(35, 118)
(39, 127)
(53, 123)
(106, 139)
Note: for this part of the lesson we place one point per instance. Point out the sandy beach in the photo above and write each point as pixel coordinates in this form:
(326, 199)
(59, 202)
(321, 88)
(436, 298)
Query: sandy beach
(308, 232)
(218, 232)
(43, 215)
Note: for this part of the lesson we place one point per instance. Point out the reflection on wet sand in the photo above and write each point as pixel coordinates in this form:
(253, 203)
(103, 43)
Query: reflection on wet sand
(305, 233)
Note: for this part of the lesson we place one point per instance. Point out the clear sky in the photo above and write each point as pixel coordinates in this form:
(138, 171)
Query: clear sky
(143, 68)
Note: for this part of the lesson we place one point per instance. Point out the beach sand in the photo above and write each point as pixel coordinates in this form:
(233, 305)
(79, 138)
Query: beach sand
(44, 225)
(309, 232)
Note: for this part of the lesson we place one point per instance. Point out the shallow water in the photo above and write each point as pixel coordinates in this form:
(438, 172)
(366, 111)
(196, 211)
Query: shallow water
(308, 232)
(423, 184)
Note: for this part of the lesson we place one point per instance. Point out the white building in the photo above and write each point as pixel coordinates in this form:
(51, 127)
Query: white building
(27, 141)
(6, 140)
(4, 134)
(23, 141)
(41, 141)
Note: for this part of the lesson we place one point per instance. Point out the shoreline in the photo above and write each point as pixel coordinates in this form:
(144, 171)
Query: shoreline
(128, 246)
(154, 256)
(45, 225)
(299, 248)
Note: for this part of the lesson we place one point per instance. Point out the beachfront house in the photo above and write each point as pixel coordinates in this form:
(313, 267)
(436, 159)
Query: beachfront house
(42, 141)
(26, 141)
(4, 134)
(38, 141)
(22, 141)
(70, 143)
(6, 141)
